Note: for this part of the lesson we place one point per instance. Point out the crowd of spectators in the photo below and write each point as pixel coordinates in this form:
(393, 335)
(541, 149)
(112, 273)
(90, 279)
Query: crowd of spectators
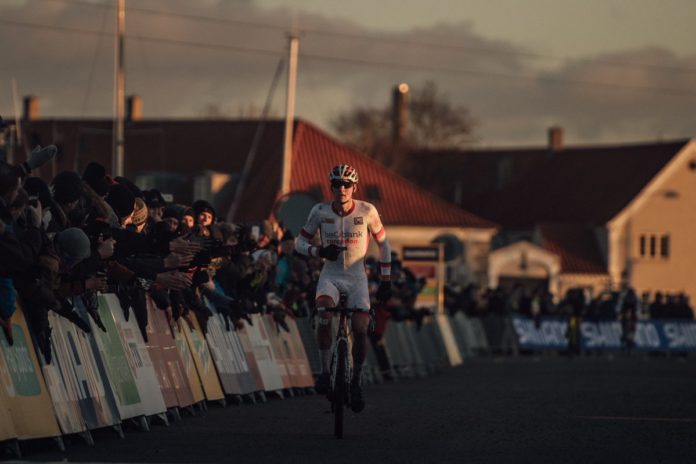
(64, 241)
(608, 305)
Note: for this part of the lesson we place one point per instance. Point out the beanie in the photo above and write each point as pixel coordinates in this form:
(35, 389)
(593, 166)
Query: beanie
(121, 199)
(67, 187)
(172, 211)
(139, 212)
(153, 198)
(94, 175)
(36, 187)
(74, 245)
(200, 206)
(134, 189)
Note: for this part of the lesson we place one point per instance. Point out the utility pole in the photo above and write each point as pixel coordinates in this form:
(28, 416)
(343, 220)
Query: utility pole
(289, 113)
(117, 153)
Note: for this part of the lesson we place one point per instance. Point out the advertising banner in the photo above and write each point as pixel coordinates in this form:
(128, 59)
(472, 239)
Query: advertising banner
(166, 359)
(28, 401)
(249, 353)
(281, 354)
(194, 382)
(61, 388)
(202, 358)
(303, 371)
(229, 357)
(7, 430)
(263, 354)
(125, 361)
(427, 262)
(73, 352)
(655, 335)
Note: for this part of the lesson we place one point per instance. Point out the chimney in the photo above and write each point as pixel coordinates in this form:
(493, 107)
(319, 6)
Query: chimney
(555, 138)
(31, 108)
(400, 102)
(134, 108)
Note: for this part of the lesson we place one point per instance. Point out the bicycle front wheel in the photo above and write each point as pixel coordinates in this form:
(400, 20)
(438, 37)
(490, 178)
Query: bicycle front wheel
(340, 390)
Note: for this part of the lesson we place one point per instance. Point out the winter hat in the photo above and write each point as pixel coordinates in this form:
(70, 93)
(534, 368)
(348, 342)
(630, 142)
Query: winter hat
(188, 212)
(134, 189)
(67, 187)
(139, 212)
(73, 244)
(153, 198)
(94, 175)
(172, 211)
(200, 206)
(121, 200)
(36, 187)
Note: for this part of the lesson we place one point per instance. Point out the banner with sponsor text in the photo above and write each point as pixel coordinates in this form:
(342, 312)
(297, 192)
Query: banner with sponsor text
(655, 335)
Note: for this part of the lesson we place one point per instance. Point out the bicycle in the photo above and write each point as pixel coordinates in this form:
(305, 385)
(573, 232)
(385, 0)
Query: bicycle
(341, 368)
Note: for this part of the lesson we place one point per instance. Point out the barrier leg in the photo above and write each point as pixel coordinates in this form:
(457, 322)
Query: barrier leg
(288, 392)
(13, 447)
(191, 410)
(60, 443)
(119, 431)
(143, 423)
(262, 396)
(87, 437)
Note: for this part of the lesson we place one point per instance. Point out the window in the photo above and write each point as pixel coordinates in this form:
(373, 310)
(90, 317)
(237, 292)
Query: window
(664, 246)
(653, 246)
(642, 245)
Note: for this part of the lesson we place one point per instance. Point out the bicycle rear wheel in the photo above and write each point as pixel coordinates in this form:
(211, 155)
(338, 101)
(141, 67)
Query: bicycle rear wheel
(340, 392)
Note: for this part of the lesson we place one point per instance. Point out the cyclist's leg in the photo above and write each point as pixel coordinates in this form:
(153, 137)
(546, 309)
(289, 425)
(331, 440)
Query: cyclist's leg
(359, 297)
(360, 323)
(327, 296)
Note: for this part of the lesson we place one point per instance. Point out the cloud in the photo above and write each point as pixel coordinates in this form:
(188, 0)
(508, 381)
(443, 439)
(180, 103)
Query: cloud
(514, 94)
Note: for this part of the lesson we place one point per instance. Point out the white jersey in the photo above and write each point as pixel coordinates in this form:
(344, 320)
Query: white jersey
(351, 229)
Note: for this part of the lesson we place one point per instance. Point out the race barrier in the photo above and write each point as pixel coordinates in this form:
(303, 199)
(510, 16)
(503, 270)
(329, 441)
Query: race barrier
(167, 359)
(470, 335)
(102, 378)
(653, 335)
(202, 358)
(73, 353)
(25, 391)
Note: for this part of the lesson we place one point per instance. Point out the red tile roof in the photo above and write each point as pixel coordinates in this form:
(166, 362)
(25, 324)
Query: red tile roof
(518, 188)
(576, 245)
(188, 147)
(402, 203)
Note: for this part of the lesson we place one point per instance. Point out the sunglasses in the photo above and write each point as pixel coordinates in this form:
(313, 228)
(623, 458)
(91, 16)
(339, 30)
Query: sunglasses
(336, 184)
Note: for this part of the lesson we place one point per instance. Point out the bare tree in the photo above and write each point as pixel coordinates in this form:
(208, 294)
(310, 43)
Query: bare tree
(434, 122)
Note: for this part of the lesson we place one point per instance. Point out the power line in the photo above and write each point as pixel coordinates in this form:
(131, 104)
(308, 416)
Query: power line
(363, 62)
(380, 38)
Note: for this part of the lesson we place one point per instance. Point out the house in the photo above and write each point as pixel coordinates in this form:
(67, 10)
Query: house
(192, 159)
(578, 216)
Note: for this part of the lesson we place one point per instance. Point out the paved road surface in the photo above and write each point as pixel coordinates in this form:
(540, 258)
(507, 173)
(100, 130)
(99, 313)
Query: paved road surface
(583, 410)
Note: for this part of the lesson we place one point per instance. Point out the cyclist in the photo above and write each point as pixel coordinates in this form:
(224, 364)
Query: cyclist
(345, 226)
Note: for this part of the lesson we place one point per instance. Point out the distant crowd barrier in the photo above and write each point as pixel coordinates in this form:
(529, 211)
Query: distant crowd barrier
(653, 335)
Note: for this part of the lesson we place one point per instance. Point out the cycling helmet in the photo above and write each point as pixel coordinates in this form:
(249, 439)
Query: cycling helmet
(344, 172)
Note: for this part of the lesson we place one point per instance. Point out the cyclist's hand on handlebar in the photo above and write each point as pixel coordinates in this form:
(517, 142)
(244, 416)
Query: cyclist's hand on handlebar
(384, 291)
(331, 252)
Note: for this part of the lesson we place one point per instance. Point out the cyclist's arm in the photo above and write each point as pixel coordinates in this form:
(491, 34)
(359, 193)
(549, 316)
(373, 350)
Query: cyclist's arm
(303, 243)
(380, 236)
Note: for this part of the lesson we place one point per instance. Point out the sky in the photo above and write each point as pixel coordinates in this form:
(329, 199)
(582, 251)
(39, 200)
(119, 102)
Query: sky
(607, 71)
